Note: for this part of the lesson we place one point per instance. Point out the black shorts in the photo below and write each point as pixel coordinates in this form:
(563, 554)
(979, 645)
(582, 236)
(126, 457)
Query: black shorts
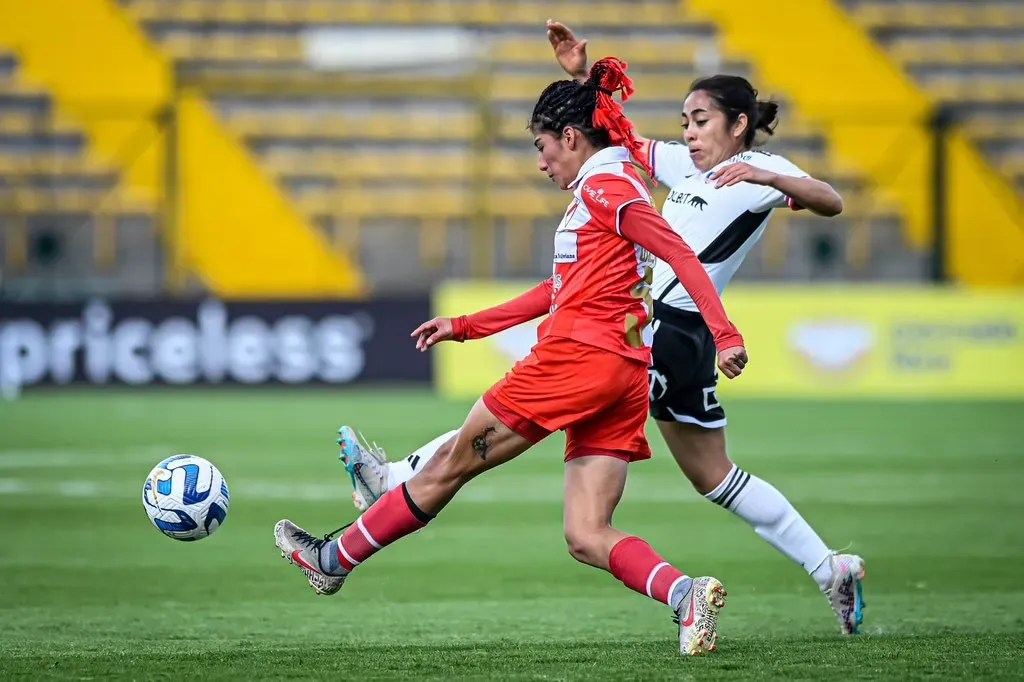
(684, 376)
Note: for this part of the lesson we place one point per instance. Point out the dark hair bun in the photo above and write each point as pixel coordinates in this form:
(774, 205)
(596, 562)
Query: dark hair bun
(767, 117)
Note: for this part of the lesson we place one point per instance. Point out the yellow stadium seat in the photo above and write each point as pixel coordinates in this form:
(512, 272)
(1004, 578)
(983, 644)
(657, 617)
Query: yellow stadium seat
(25, 200)
(25, 123)
(634, 50)
(49, 164)
(967, 51)
(233, 47)
(923, 52)
(299, 125)
(929, 14)
(487, 12)
(982, 128)
(651, 86)
(977, 89)
(416, 156)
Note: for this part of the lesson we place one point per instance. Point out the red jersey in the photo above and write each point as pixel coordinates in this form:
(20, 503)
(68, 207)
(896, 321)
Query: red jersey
(600, 280)
(599, 292)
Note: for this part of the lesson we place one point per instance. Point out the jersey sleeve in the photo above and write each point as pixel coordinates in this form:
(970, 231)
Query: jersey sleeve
(670, 161)
(523, 308)
(769, 197)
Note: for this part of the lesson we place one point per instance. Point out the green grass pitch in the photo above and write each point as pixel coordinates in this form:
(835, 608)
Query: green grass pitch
(930, 494)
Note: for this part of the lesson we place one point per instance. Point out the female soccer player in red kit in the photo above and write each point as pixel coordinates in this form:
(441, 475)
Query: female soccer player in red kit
(587, 375)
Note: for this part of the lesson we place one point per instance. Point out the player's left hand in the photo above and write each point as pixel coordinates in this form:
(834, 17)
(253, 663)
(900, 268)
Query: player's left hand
(741, 172)
(433, 331)
(732, 361)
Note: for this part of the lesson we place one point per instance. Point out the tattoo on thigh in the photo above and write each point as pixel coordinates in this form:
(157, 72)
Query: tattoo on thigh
(481, 444)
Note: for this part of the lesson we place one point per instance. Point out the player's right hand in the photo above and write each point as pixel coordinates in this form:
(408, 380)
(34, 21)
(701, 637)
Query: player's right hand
(431, 332)
(732, 361)
(570, 53)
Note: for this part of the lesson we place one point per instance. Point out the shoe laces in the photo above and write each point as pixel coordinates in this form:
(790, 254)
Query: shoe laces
(374, 449)
(309, 541)
(330, 536)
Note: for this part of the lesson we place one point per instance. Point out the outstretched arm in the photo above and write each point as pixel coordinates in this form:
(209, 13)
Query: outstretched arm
(802, 192)
(528, 306)
(479, 325)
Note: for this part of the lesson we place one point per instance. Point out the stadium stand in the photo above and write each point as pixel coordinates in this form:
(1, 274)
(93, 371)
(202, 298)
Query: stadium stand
(59, 199)
(373, 169)
(969, 54)
(368, 174)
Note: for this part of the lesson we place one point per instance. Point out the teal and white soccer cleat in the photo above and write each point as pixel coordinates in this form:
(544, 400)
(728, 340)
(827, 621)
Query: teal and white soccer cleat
(698, 617)
(303, 550)
(844, 592)
(366, 465)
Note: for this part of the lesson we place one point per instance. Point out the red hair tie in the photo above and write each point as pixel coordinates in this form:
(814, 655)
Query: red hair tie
(608, 76)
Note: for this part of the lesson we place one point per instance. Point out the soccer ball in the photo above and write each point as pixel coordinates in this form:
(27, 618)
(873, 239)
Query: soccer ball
(186, 497)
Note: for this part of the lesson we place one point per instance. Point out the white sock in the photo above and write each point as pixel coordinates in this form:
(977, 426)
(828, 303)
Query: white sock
(401, 471)
(774, 519)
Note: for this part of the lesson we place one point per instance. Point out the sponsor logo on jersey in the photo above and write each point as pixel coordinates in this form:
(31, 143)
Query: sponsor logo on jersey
(596, 195)
(688, 199)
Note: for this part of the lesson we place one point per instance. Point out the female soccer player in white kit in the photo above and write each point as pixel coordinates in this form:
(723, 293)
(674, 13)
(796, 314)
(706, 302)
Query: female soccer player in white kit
(723, 192)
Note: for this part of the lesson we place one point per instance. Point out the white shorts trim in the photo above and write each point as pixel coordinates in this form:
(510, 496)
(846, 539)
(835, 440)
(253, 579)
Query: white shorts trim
(687, 419)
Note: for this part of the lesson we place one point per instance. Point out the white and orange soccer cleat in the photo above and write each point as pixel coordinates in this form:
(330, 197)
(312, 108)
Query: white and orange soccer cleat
(844, 592)
(698, 617)
(302, 550)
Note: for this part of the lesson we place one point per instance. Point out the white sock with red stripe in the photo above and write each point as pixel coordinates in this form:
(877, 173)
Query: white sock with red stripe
(639, 567)
(393, 517)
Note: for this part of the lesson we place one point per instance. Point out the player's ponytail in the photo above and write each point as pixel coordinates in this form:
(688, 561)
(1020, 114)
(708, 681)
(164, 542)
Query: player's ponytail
(608, 76)
(591, 108)
(767, 117)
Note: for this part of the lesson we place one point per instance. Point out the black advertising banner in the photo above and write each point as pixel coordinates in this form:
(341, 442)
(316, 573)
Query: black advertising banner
(210, 342)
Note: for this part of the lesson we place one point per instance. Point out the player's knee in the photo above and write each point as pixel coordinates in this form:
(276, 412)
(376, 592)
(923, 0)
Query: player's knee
(582, 543)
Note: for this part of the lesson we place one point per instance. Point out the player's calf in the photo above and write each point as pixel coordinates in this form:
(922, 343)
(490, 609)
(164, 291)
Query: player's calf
(695, 601)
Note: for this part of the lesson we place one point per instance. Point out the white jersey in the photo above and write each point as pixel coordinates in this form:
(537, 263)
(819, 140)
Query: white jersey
(720, 225)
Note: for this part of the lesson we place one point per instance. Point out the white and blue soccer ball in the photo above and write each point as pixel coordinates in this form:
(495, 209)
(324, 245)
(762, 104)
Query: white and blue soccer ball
(186, 497)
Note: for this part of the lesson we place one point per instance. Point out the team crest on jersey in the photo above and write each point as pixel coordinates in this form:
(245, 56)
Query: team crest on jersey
(576, 216)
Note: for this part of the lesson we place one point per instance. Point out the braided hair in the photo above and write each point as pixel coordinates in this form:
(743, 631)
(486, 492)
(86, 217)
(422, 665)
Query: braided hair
(589, 108)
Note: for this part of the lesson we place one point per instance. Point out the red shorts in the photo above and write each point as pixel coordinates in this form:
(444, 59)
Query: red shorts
(599, 398)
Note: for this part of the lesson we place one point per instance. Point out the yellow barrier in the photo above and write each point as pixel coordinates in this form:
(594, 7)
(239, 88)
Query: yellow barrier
(809, 343)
